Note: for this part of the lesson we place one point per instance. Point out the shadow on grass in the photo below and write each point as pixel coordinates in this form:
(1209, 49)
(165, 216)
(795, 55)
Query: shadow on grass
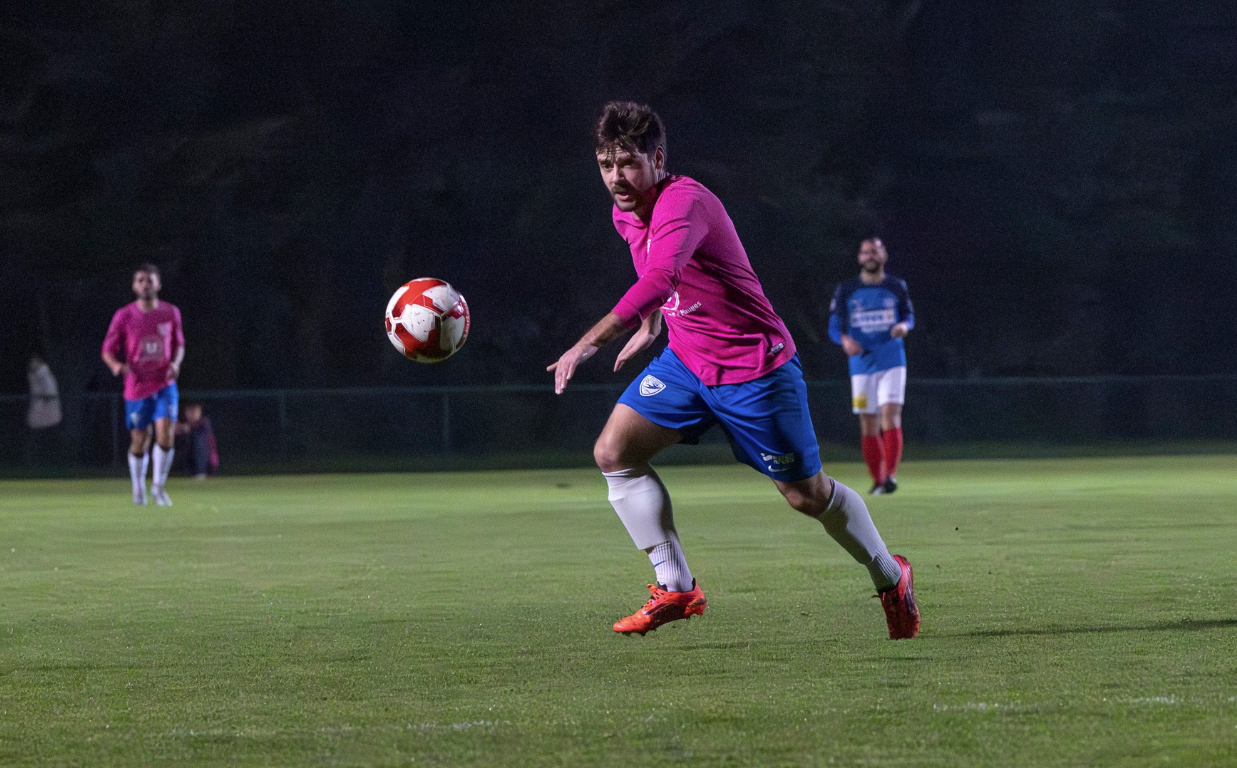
(1162, 626)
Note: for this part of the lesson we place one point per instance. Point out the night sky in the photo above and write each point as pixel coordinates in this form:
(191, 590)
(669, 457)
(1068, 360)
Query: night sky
(1055, 179)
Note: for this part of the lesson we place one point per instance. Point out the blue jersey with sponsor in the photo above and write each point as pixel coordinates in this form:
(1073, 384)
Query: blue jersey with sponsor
(866, 313)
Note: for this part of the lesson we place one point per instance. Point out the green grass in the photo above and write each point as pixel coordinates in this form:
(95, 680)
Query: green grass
(1076, 612)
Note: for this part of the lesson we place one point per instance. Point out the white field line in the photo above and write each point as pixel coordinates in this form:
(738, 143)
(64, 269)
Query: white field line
(263, 733)
(1150, 701)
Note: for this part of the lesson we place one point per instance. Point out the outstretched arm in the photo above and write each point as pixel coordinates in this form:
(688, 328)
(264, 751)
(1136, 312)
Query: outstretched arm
(605, 331)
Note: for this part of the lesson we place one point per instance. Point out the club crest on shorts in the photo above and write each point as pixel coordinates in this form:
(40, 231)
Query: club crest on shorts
(650, 385)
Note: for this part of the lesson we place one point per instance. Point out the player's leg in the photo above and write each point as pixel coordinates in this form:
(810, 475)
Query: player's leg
(770, 429)
(659, 409)
(623, 451)
(847, 520)
(162, 453)
(890, 394)
(166, 404)
(873, 450)
(139, 460)
(629, 440)
(863, 403)
(138, 416)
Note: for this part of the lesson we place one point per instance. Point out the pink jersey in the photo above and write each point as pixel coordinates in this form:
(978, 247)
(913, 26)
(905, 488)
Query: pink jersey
(148, 341)
(691, 264)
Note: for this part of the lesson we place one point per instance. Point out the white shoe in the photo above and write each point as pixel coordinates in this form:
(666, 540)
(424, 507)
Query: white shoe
(161, 496)
(139, 497)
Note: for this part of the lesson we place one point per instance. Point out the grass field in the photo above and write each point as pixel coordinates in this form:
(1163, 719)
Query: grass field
(1078, 612)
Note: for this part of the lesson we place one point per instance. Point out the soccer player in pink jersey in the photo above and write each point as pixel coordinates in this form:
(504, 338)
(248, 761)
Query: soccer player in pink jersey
(145, 343)
(730, 361)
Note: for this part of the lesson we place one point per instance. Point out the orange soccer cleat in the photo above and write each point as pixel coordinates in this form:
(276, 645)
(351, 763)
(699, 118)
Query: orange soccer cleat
(901, 612)
(663, 607)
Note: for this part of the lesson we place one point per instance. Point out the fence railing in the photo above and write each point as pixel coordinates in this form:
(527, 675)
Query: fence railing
(327, 427)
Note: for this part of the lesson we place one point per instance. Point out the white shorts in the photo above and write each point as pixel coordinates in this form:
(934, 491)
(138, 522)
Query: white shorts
(869, 391)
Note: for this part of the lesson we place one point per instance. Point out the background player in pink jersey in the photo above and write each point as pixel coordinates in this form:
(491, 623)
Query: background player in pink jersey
(730, 361)
(145, 343)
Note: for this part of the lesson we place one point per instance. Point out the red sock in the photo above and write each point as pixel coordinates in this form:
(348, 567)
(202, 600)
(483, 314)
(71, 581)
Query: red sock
(874, 456)
(893, 450)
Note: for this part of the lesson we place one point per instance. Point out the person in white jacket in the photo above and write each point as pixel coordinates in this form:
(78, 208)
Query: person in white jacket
(44, 410)
(44, 443)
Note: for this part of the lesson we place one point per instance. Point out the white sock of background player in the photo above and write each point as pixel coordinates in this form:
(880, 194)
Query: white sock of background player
(137, 474)
(163, 466)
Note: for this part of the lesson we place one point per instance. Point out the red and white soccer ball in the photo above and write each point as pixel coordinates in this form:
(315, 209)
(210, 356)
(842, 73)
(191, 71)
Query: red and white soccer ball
(427, 320)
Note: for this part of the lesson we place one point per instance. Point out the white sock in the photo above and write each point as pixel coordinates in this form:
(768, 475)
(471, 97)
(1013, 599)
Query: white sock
(137, 473)
(643, 505)
(163, 465)
(848, 522)
(670, 565)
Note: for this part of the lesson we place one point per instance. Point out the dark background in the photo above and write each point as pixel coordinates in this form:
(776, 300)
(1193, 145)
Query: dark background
(1054, 178)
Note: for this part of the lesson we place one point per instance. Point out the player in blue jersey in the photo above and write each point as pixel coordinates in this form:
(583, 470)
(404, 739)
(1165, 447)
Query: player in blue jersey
(869, 317)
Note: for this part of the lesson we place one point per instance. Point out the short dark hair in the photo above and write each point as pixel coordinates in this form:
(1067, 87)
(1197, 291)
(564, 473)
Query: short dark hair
(148, 268)
(631, 127)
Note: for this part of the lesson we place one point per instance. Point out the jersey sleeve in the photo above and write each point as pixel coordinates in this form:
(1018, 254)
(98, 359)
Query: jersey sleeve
(113, 342)
(906, 312)
(677, 229)
(837, 317)
(178, 333)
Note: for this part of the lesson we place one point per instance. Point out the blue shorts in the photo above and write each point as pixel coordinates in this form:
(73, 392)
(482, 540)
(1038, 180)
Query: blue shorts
(140, 414)
(766, 420)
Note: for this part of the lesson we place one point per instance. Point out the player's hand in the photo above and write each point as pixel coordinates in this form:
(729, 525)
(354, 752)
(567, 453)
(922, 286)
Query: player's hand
(565, 368)
(120, 369)
(850, 346)
(173, 371)
(899, 331)
(640, 341)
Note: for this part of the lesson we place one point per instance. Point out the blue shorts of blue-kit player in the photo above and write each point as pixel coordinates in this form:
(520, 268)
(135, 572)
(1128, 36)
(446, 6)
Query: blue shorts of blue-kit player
(766, 420)
(140, 414)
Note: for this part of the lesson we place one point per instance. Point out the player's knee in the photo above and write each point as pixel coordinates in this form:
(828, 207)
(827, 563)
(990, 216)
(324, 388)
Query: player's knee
(891, 416)
(810, 496)
(807, 501)
(608, 453)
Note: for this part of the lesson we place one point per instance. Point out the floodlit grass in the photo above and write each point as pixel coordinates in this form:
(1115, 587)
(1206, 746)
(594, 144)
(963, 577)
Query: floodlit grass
(1078, 612)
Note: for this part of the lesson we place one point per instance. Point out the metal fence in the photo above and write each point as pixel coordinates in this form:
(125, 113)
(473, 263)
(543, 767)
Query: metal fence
(411, 427)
